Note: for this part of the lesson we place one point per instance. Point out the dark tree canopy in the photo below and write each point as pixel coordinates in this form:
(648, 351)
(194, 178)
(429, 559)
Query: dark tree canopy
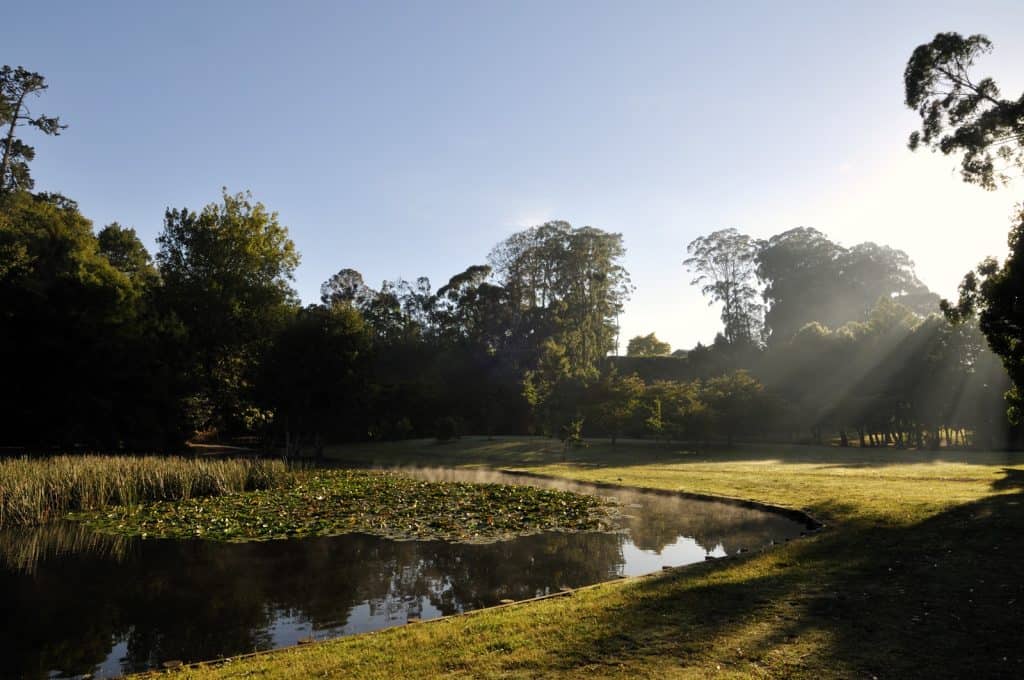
(313, 377)
(962, 113)
(87, 360)
(16, 86)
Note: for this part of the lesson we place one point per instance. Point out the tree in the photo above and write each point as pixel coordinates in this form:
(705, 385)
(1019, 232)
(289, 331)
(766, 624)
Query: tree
(543, 389)
(125, 251)
(798, 268)
(226, 274)
(868, 272)
(808, 278)
(346, 287)
(736, 403)
(469, 309)
(564, 283)
(618, 400)
(725, 263)
(961, 113)
(993, 294)
(676, 409)
(16, 86)
(647, 346)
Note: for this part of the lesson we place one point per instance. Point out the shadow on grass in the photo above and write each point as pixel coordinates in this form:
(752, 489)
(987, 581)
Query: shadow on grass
(1012, 479)
(941, 598)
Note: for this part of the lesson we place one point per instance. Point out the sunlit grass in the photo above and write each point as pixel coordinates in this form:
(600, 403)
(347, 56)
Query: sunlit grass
(39, 490)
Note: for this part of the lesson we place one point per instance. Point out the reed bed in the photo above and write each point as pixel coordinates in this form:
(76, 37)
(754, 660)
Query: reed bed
(37, 491)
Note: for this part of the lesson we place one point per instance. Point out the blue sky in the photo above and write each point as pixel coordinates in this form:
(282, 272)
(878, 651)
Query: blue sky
(406, 139)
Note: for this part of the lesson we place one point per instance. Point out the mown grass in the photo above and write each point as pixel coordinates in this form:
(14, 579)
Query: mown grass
(331, 502)
(39, 490)
(919, 574)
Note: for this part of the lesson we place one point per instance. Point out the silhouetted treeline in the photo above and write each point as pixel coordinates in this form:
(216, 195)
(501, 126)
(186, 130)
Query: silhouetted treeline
(107, 347)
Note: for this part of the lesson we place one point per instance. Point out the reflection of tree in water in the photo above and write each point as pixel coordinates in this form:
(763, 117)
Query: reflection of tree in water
(455, 578)
(661, 520)
(70, 595)
(197, 600)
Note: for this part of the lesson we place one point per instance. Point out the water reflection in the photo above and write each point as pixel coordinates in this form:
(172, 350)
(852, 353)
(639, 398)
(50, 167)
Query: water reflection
(77, 603)
(655, 520)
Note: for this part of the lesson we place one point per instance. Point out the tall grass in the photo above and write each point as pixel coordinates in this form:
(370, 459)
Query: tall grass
(36, 491)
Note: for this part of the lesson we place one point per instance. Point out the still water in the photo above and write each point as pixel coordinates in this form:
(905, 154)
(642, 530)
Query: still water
(76, 602)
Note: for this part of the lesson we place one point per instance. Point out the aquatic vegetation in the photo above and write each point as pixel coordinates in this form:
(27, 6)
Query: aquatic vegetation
(39, 490)
(330, 502)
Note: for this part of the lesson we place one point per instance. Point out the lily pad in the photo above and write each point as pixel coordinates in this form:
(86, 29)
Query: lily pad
(331, 502)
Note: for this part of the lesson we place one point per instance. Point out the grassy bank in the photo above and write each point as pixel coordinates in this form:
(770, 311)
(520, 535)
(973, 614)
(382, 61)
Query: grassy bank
(918, 575)
(39, 490)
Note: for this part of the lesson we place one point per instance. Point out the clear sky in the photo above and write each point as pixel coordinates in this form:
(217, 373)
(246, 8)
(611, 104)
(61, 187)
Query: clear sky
(406, 139)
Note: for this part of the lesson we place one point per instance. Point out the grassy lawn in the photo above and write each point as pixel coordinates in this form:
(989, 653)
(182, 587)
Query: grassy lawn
(920, 573)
